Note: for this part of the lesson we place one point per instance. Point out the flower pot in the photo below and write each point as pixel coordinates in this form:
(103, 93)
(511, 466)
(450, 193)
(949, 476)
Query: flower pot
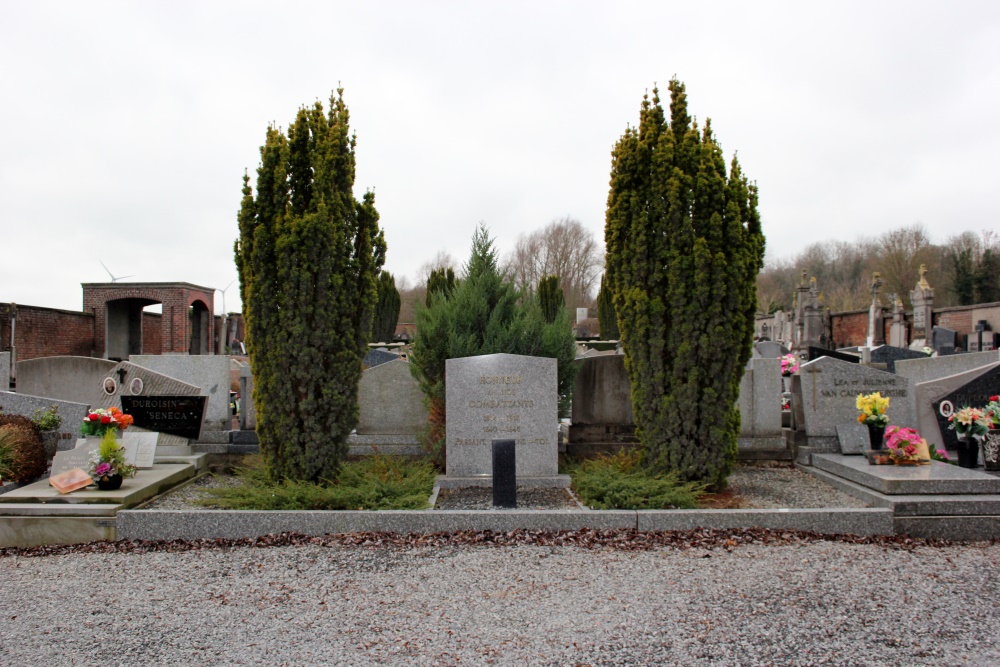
(786, 383)
(968, 452)
(109, 483)
(991, 450)
(876, 435)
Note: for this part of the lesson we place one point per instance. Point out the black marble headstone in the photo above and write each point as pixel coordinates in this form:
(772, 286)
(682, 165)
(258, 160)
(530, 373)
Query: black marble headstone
(177, 415)
(889, 355)
(504, 474)
(817, 352)
(975, 394)
(942, 337)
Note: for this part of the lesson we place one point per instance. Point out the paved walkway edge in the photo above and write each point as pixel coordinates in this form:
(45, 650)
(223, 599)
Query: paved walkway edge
(236, 524)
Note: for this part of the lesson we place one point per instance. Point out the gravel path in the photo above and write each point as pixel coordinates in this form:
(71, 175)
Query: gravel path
(805, 603)
(758, 487)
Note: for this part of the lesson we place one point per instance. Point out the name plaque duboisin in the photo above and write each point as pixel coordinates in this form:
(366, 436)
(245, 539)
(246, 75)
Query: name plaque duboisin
(176, 415)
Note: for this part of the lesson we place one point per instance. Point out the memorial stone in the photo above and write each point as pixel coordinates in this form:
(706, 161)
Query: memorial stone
(889, 355)
(769, 349)
(974, 393)
(760, 405)
(177, 415)
(944, 339)
(601, 418)
(501, 396)
(829, 392)
(140, 448)
(4, 371)
(504, 477)
(929, 393)
(853, 438)
(209, 373)
(390, 401)
(74, 458)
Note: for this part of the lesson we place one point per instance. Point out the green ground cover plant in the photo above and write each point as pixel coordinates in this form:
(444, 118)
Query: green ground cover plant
(620, 482)
(375, 483)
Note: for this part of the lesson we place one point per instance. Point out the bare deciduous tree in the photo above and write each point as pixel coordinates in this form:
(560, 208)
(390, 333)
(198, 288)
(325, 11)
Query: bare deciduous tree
(564, 248)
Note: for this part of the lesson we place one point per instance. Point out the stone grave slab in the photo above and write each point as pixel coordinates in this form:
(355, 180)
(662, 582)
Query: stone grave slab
(928, 396)
(378, 357)
(390, 401)
(889, 355)
(830, 388)
(25, 404)
(943, 338)
(502, 396)
(67, 378)
(140, 448)
(769, 349)
(936, 478)
(4, 371)
(974, 393)
(134, 490)
(853, 438)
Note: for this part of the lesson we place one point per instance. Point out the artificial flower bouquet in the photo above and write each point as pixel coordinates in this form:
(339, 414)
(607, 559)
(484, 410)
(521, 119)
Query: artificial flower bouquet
(102, 421)
(789, 365)
(969, 422)
(905, 446)
(872, 409)
(108, 460)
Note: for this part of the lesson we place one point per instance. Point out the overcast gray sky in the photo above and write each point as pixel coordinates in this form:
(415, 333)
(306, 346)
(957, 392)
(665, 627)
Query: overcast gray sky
(127, 125)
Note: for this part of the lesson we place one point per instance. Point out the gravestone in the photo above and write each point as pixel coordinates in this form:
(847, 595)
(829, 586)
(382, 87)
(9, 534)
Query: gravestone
(829, 392)
(502, 396)
(934, 368)
(769, 349)
(944, 340)
(138, 381)
(210, 373)
(760, 406)
(816, 352)
(390, 401)
(248, 411)
(4, 371)
(140, 448)
(73, 379)
(929, 393)
(853, 438)
(504, 477)
(974, 393)
(889, 355)
(601, 417)
(75, 458)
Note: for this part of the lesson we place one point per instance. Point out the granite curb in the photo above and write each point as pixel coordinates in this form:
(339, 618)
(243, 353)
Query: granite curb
(235, 524)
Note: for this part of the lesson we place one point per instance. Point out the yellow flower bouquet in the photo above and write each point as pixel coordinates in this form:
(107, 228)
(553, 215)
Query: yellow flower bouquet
(872, 409)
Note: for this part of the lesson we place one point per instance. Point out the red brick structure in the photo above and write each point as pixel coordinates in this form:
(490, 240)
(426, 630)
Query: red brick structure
(45, 332)
(186, 325)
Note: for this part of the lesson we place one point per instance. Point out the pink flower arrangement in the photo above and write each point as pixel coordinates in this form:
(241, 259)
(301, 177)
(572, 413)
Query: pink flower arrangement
(789, 364)
(905, 444)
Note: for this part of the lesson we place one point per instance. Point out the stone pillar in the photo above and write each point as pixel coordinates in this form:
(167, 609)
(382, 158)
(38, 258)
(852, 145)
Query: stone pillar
(922, 298)
(876, 321)
(897, 331)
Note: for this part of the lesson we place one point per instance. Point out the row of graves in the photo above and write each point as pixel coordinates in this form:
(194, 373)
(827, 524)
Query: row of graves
(164, 413)
(504, 431)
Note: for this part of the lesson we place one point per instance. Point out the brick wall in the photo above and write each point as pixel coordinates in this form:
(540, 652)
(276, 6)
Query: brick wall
(850, 328)
(958, 319)
(47, 332)
(152, 342)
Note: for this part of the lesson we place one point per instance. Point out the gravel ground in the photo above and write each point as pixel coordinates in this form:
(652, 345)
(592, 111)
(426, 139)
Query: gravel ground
(757, 486)
(804, 603)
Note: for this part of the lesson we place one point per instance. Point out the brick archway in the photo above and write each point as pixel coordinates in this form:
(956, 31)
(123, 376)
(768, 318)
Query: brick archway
(126, 299)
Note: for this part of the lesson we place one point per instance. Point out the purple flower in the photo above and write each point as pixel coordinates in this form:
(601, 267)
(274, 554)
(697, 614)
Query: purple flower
(102, 469)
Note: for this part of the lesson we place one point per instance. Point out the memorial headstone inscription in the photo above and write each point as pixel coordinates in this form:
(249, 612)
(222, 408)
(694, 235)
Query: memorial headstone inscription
(830, 388)
(501, 396)
(975, 393)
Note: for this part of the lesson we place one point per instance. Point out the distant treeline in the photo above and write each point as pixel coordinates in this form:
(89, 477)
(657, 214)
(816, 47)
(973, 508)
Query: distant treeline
(964, 270)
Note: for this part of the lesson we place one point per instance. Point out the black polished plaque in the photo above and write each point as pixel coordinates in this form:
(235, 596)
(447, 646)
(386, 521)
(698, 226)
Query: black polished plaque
(176, 415)
(504, 474)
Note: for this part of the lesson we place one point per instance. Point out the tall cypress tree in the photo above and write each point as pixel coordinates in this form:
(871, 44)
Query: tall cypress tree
(308, 256)
(386, 309)
(684, 246)
(550, 297)
(606, 317)
(441, 281)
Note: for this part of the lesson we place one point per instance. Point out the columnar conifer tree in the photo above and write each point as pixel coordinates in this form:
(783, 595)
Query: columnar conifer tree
(550, 297)
(684, 246)
(308, 256)
(606, 317)
(441, 281)
(386, 309)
